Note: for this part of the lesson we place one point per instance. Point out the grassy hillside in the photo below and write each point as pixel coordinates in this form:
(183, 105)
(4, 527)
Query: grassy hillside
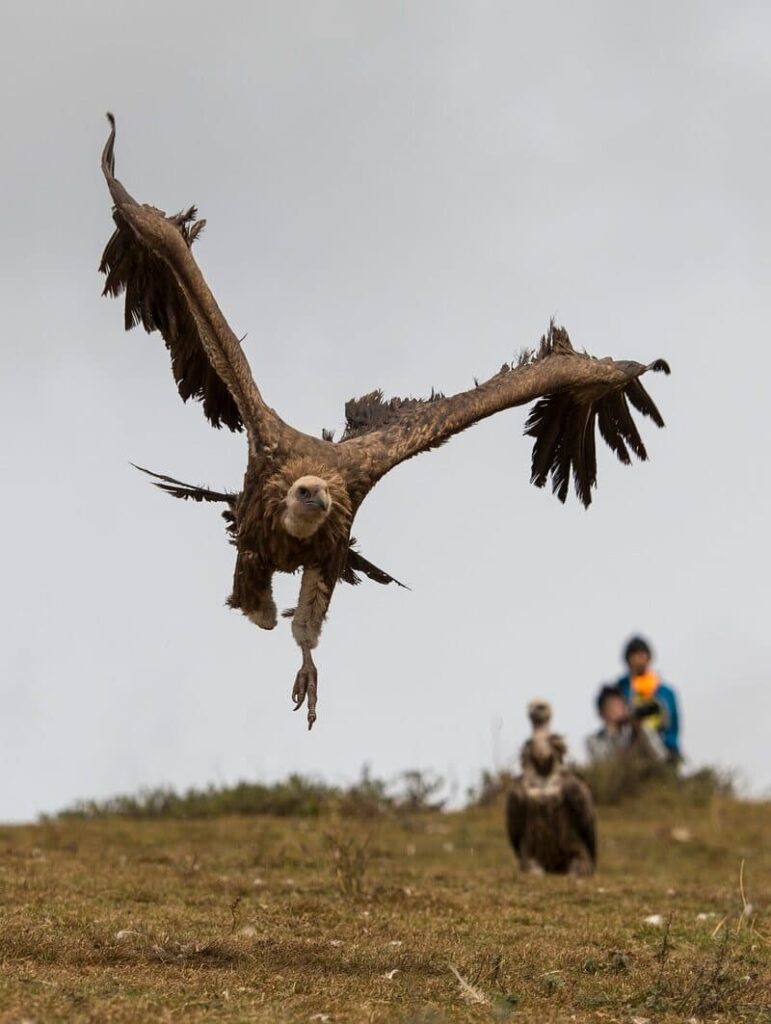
(400, 917)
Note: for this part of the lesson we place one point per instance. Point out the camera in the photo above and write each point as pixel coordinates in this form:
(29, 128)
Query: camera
(647, 709)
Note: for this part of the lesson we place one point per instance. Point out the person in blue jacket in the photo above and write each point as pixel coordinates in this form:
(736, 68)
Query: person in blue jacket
(650, 699)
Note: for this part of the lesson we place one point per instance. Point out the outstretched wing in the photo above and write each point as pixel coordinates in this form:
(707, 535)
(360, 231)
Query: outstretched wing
(578, 801)
(148, 257)
(575, 392)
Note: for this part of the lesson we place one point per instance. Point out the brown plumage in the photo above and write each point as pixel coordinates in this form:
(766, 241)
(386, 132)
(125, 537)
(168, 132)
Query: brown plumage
(549, 810)
(301, 493)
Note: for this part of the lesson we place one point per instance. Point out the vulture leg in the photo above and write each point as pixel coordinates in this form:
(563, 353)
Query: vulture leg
(531, 866)
(253, 590)
(263, 614)
(306, 684)
(580, 867)
(307, 621)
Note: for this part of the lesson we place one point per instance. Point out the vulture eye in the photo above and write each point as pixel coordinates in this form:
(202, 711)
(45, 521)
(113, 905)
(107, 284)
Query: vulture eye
(303, 492)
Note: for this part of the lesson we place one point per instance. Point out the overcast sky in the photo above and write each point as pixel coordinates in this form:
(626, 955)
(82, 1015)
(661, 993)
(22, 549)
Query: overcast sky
(398, 196)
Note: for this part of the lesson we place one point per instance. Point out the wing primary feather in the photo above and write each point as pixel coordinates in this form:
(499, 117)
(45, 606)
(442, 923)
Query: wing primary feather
(643, 402)
(609, 430)
(546, 423)
(563, 426)
(624, 426)
(154, 299)
(358, 563)
(583, 455)
(179, 489)
(559, 425)
(589, 459)
(659, 366)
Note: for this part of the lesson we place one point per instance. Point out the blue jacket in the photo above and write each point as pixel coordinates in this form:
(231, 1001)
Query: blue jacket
(665, 695)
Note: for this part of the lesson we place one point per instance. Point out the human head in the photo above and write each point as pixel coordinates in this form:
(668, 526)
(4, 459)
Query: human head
(611, 705)
(637, 655)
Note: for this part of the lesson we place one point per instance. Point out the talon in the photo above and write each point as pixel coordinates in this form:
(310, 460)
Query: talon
(312, 697)
(300, 689)
(306, 685)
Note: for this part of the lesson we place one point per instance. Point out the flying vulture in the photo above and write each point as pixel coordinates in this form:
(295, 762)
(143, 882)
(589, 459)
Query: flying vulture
(549, 810)
(301, 493)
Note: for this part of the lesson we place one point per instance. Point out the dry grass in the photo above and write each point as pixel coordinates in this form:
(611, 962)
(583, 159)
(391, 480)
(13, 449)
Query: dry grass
(419, 919)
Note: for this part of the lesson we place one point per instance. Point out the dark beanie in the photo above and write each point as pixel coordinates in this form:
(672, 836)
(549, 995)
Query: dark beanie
(635, 645)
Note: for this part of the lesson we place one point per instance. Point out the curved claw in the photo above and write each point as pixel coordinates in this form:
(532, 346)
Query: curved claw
(306, 685)
(313, 687)
(300, 689)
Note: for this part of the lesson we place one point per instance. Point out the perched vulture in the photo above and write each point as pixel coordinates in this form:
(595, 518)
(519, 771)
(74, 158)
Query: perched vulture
(301, 493)
(549, 811)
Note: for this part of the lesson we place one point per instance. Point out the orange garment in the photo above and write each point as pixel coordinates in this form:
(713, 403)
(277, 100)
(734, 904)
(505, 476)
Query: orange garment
(645, 686)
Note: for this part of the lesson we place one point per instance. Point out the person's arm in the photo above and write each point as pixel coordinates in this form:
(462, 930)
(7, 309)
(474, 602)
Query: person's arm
(597, 747)
(653, 745)
(670, 734)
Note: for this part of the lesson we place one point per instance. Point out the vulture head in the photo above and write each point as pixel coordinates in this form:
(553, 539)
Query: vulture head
(308, 500)
(539, 712)
(542, 755)
(308, 503)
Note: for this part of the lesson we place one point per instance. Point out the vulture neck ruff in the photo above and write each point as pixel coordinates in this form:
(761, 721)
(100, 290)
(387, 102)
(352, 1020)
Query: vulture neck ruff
(336, 525)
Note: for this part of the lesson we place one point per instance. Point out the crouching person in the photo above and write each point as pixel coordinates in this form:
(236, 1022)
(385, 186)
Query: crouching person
(624, 733)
